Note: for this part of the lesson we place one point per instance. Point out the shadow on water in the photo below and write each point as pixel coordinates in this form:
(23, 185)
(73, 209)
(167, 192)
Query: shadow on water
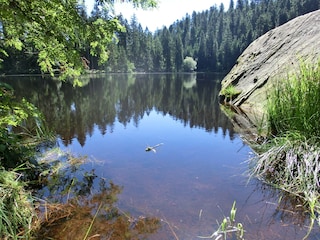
(191, 181)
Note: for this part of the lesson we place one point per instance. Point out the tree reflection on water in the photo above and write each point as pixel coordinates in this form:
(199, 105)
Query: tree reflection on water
(79, 205)
(73, 113)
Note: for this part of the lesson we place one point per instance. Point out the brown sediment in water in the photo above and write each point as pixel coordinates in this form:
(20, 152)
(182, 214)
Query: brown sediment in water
(84, 207)
(96, 218)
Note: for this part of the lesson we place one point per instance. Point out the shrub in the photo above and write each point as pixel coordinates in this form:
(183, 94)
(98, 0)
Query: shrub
(189, 64)
(22, 129)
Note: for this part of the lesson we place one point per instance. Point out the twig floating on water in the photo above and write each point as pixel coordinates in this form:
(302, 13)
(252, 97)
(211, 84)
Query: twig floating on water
(149, 148)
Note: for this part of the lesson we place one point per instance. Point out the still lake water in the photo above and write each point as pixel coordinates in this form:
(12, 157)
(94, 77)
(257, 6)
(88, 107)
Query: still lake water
(193, 179)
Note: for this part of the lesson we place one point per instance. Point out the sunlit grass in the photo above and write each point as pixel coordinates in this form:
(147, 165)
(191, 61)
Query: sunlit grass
(293, 105)
(290, 160)
(229, 93)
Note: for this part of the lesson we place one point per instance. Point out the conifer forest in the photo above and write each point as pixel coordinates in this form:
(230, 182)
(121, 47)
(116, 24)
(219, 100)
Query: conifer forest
(213, 38)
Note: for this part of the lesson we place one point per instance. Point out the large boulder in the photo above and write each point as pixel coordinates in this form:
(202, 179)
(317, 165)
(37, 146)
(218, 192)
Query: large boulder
(270, 58)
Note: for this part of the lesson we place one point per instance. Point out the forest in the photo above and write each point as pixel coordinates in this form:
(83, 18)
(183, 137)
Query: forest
(60, 37)
(213, 38)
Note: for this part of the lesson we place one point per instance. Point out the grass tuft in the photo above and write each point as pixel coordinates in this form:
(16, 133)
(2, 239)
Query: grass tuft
(293, 105)
(290, 160)
(16, 211)
(229, 93)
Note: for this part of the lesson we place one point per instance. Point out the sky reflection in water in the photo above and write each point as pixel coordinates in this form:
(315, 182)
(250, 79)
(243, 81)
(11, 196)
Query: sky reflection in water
(193, 170)
(199, 167)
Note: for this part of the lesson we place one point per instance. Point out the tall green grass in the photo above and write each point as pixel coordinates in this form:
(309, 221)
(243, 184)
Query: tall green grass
(17, 214)
(290, 160)
(293, 105)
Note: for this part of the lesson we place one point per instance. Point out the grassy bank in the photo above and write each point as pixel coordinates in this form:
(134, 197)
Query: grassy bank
(21, 131)
(290, 160)
(16, 210)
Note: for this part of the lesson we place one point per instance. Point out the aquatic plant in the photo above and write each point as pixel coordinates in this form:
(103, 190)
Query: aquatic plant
(228, 227)
(21, 131)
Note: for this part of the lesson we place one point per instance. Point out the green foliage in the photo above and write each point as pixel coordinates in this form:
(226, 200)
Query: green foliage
(14, 113)
(214, 37)
(59, 32)
(189, 64)
(21, 129)
(16, 211)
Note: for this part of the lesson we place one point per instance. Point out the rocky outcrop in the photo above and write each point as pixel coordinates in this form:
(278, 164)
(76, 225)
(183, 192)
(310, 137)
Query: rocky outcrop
(270, 58)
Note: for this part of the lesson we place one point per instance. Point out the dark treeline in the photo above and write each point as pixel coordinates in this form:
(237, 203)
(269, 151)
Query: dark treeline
(214, 38)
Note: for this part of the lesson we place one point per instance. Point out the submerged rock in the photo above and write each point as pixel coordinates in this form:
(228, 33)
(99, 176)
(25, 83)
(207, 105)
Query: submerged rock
(270, 58)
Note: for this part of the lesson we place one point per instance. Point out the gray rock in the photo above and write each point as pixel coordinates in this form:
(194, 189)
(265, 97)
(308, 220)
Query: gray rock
(272, 57)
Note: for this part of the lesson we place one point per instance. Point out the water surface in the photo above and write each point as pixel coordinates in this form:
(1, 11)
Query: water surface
(193, 179)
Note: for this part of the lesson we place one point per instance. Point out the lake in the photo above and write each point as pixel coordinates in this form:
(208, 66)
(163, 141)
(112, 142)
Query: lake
(198, 168)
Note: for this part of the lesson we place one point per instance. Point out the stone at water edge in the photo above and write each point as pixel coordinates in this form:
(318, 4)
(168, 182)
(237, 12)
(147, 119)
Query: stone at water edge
(271, 57)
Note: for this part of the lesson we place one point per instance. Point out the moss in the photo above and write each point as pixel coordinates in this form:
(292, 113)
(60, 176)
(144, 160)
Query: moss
(229, 93)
